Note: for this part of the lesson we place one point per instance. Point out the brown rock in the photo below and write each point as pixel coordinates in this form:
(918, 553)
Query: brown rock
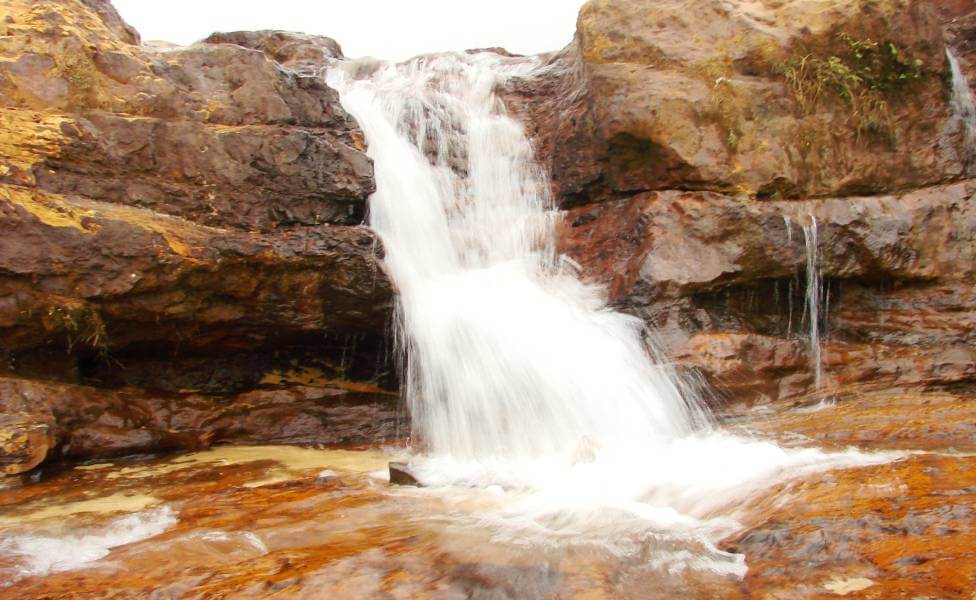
(400, 474)
(748, 367)
(216, 133)
(705, 96)
(24, 442)
(898, 271)
(83, 422)
(306, 54)
(136, 276)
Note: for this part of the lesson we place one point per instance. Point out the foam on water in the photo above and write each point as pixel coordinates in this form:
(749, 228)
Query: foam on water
(520, 381)
(42, 554)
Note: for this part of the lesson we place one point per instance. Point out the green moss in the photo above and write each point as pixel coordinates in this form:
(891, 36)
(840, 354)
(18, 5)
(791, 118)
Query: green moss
(865, 76)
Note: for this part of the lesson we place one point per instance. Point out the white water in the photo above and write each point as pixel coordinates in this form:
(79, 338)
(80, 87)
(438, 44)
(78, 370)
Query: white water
(814, 298)
(963, 108)
(37, 554)
(519, 380)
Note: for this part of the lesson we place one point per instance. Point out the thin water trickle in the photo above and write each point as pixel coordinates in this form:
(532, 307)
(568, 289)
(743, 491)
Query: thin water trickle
(813, 299)
(963, 108)
(520, 381)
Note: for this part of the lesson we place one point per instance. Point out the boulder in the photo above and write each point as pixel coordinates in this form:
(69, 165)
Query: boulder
(203, 200)
(771, 99)
(24, 442)
(400, 474)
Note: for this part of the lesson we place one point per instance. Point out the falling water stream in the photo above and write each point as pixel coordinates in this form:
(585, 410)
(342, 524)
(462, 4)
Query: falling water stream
(963, 109)
(814, 299)
(522, 384)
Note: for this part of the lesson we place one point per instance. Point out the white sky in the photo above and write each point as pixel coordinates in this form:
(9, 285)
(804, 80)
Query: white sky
(391, 29)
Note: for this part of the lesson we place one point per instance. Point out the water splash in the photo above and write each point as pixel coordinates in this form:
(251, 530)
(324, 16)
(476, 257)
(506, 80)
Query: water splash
(521, 383)
(42, 554)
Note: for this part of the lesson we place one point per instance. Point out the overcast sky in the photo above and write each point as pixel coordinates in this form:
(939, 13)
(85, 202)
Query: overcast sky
(391, 29)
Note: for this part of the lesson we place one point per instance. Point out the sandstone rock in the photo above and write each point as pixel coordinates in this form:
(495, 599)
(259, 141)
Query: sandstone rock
(749, 367)
(932, 421)
(194, 205)
(306, 54)
(109, 276)
(719, 97)
(899, 280)
(24, 442)
(82, 422)
(217, 133)
(676, 243)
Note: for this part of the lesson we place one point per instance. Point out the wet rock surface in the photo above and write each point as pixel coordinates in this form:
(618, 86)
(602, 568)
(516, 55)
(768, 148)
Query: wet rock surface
(260, 522)
(895, 530)
(169, 216)
(53, 420)
(25, 441)
(723, 279)
(691, 143)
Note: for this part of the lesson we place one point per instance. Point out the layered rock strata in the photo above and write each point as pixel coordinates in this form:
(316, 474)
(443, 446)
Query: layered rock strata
(182, 221)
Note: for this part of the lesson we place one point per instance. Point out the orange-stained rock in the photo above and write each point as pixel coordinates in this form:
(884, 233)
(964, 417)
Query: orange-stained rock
(898, 271)
(260, 522)
(934, 421)
(82, 422)
(24, 442)
(729, 97)
(173, 206)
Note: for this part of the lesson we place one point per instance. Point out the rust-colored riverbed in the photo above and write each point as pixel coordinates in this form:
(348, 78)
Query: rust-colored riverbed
(286, 522)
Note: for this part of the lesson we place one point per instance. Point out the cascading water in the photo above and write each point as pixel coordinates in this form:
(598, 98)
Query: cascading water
(963, 108)
(517, 374)
(498, 340)
(814, 299)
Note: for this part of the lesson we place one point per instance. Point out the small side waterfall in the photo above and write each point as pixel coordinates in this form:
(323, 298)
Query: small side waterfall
(814, 299)
(963, 109)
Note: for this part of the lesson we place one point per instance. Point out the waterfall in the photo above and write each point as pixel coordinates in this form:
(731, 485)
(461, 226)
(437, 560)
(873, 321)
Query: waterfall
(498, 339)
(520, 381)
(963, 108)
(814, 299)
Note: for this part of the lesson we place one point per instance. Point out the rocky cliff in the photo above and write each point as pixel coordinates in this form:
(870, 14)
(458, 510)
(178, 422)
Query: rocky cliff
(181, 239)
(692, 142)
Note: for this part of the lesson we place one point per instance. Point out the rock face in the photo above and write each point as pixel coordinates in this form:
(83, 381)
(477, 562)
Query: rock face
(55, 420)
(778, 100)
(691, 143)
(166, 210)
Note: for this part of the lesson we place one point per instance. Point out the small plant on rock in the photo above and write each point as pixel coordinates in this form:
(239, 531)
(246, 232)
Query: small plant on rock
(866, 76)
